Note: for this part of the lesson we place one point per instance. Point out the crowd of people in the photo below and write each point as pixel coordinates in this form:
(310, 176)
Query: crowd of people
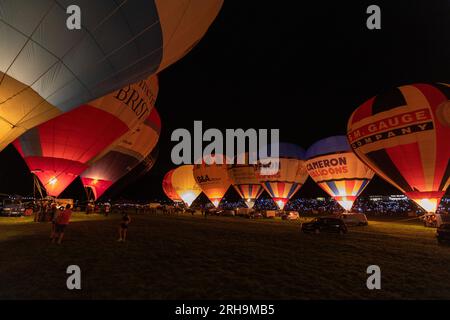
(328, 205)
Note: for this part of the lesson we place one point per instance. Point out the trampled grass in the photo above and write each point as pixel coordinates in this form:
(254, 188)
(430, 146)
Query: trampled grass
(185, 257)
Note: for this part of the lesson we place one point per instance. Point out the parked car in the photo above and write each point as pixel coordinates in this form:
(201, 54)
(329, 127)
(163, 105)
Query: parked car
(325, 224)
(255, 215)
(228, 213)
(214, 212)
(443, 233)
(355, 219)
(291, 215)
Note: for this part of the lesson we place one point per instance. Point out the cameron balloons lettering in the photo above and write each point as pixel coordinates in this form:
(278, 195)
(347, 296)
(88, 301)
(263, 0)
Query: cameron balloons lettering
(332, 164)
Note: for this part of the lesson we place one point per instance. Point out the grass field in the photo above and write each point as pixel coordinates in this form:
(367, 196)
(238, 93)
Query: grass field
(185, 257)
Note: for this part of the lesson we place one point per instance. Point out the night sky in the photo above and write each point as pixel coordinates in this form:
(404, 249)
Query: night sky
(297, 66)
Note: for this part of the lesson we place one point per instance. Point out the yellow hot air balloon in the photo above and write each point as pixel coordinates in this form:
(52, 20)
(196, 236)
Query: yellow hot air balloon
(184, 184)
(213, 178)
(291, 175)
(245, 180)
(332, 164)
(404, 136)
(46, 69)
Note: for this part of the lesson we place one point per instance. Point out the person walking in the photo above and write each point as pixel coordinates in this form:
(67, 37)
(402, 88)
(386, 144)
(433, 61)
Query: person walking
(62, 221)
(123, 228)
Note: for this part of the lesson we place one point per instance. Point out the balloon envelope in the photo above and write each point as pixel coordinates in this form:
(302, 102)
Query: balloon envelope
(213, 178)
(60, 149)
(290, 176)
(168, 188)
(132, 175)
(120, 158)
(332, 164)
(245, 180)
(47, 69)
(184, 184)
(404, 136)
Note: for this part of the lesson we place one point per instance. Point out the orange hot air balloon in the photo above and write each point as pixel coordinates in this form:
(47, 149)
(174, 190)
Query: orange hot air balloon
(168, 188)
(47, 69)
(245, 180)
(290, 176)
(332, 164)
(184, 184)
(213, 178)
(403, 135)
(58, 150)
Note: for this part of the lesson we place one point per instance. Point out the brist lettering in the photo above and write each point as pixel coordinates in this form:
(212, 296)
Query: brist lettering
(134, 100)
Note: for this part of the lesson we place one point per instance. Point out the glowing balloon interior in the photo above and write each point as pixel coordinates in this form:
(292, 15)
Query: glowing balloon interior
(213, 179)
(282, 184)
(404, 135)
(184, 184)
(337, 170)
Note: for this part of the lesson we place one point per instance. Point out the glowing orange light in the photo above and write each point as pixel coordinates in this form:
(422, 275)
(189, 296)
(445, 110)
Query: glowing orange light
(52, 181)
(430, 205)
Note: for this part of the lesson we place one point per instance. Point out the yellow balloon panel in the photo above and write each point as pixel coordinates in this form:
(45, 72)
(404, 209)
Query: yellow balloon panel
(184, 22)
(184, 184)
(213, 179)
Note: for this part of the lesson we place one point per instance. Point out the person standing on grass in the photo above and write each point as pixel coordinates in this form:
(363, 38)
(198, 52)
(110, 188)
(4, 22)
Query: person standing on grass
(62, 221)
(54, 216)
(123, 229)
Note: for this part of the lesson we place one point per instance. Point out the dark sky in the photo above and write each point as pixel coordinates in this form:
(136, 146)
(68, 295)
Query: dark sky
(297, 66)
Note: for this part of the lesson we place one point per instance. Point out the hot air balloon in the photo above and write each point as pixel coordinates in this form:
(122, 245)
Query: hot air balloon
(168, 188)
(290, 176)
(184, 184)
(131, 176)
(47, 69)
(120, 158)
(332, 164)
(403, 135)
(58, 150)
(245, 180)
(213, 178)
